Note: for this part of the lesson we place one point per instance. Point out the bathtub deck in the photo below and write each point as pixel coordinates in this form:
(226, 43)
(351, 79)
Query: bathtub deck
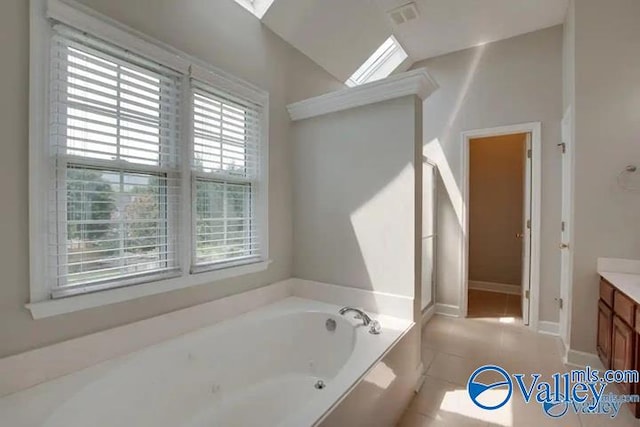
(140, 389)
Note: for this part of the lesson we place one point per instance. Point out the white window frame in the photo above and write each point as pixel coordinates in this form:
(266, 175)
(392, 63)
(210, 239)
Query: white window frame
(380, 64)
(84, 19)
(257, 7)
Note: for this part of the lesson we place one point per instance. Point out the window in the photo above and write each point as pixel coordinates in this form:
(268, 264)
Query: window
(150, 169)
(385, 60)
(257, 7)
(226, 151)
(114, 134)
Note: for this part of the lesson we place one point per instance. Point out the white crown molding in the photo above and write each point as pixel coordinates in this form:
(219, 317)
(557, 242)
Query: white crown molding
(416, 82)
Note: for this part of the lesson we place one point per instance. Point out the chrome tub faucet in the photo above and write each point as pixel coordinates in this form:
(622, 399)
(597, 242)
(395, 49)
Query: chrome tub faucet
(374, 326)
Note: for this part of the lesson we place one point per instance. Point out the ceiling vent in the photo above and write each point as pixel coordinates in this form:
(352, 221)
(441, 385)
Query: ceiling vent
(405, 13)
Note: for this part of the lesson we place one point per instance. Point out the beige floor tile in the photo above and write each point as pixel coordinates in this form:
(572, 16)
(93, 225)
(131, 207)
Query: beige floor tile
(445, 419)
(432, 394)
(446, 403)
(517, 413)
(623, 419)
(438, 326)
(452, 368)
(428, 355)
(413, 419)
(454, 348)
(481, 348)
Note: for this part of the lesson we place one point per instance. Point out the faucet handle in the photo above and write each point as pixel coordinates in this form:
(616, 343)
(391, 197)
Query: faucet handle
(375, 328)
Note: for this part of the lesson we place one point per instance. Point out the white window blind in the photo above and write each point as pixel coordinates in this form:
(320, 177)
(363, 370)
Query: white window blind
(114, 137)
(226, 170)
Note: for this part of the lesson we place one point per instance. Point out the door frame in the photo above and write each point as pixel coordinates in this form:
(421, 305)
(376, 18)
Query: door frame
(535, 129)
(434, 166)
(567, 215)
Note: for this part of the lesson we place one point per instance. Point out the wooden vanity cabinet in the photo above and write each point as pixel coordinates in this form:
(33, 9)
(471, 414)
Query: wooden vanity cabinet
(605, 323)
(622, 350)
(618, 343)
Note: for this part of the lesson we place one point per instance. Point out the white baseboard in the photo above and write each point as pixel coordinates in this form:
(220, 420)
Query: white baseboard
(447, 310)
(501, 288)
(377, 302)
(549, 328)
(581, 359)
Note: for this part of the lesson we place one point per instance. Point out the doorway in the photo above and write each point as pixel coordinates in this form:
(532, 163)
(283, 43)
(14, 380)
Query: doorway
(566, 239)
(501, 217)
(496, 225)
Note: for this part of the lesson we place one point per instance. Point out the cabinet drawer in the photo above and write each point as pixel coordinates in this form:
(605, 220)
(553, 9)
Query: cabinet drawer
(606, 292)
(625, 308)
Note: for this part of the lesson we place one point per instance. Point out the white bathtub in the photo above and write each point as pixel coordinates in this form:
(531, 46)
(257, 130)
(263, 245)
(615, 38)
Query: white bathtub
(258, 369)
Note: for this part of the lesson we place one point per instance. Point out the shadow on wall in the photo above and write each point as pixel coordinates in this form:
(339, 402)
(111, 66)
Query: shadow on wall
(379, 214)
(354, 222)
(451, 208)
(354, 197)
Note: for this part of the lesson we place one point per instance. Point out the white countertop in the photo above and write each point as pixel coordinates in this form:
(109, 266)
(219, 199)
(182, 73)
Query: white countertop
(628, 284)
(623, 274)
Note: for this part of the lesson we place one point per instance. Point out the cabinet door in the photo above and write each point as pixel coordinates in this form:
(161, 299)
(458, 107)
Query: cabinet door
(622, 355)
(604, 333)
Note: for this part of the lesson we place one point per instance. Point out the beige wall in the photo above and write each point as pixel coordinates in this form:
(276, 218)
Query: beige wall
(496, 206)
(569, 58)
(219, 32)
(355, 197)
(607, 138)
(512, 81)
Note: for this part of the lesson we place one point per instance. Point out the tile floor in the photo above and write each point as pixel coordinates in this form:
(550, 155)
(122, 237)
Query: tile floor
(453, 348)
(493, 304)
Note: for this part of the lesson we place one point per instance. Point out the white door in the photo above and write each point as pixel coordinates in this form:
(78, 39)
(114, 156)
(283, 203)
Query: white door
(428, 233)
(566, 273)
(526, 234)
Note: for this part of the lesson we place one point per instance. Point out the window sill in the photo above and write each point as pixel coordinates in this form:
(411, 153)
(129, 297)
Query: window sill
(54, 307)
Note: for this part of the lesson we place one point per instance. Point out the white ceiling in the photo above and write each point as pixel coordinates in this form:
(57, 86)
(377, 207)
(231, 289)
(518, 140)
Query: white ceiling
(340, 35)
(446, 26)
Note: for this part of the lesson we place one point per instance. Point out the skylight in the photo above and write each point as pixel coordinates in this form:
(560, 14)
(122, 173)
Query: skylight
(257, 7)
(380, 64)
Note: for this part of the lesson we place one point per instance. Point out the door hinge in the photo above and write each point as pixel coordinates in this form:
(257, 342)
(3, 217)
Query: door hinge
(560, 303)
(563, 226)
(529, 224)
(563, 147)
(526, 294)
(528, 153)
